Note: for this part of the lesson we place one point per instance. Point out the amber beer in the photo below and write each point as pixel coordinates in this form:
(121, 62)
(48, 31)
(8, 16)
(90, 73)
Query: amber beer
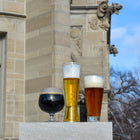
(71, 74)
(94, 93)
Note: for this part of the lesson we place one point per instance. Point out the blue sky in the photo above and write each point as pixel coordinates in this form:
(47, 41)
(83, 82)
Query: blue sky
(125, 34)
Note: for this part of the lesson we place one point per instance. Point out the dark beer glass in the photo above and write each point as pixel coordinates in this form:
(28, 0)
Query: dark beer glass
(94, 85)
(51, 100)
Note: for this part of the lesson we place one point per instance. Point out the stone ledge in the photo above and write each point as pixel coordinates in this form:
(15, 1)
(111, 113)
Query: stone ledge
(66, 131)
(83, 7)
(12, 14)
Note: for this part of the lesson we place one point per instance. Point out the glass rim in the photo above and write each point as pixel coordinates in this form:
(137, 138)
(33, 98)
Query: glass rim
(52, 89)
(94, 76)
(95, 81)
(71, 70)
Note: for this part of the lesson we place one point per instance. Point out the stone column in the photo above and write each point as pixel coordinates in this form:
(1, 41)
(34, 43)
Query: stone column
(47, 48)
(12, 22)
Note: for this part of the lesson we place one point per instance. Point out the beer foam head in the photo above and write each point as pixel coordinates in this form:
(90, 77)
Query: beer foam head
(71, 70)
(93, 81)
(51, 91)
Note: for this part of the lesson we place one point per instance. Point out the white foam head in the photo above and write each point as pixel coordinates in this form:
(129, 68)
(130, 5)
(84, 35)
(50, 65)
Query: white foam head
(93, 81)
(51, 90)
(71, 70)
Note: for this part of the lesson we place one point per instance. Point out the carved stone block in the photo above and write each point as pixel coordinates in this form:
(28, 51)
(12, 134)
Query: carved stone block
(76, 39)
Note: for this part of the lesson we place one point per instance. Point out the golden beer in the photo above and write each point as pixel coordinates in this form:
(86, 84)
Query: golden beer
(71, 73)
(94, 93)
(71, 88)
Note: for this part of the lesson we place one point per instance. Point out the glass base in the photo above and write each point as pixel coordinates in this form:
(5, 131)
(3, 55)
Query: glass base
(93, 119)
(71, 114)
(51, 118)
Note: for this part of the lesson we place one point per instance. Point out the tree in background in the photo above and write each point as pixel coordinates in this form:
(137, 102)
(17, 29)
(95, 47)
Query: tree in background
(124, 103)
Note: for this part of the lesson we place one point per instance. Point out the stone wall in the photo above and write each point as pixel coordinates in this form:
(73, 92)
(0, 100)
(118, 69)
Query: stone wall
(12, 21)
(54, 34)
(89, 45)
(86, 2)
(47, 48)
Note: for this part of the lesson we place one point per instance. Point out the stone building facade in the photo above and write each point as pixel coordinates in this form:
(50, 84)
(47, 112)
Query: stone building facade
(36, 38)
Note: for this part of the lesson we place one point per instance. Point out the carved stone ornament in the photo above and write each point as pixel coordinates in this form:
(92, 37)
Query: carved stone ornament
(113, 50)
(76, 38)
(105, 11)
(93, 23)
(75, 32)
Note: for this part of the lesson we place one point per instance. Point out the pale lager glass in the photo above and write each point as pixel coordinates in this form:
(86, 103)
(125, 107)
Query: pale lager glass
(94, 86)
(71, 75)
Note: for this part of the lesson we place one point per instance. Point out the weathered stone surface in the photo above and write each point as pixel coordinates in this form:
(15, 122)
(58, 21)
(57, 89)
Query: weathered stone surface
(15, 56)
(48, 46)
(38, 22)
(62, 39)
(9, 129)
(61, 17)
(10, 45)
(94, 36)
(13, 7)
(63, 131)
(78, 20)
(20, 46)
(83, 2)
(43, 40)
(19, 87)
(10, 65)
(19, 66)
(37, 84)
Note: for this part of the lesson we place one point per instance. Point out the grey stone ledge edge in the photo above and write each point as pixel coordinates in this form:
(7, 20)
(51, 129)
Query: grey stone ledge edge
(12, 14)
(82, 7)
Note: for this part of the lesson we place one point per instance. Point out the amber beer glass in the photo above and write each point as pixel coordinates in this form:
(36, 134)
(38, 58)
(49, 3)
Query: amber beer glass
(71, 74)
(94, 85)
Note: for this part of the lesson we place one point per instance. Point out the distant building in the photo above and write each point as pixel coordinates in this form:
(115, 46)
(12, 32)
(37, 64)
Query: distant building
(36, 38)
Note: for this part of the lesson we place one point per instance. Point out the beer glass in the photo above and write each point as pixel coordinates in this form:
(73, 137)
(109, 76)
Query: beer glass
(51, 100)
(71, 75)
(94, 85)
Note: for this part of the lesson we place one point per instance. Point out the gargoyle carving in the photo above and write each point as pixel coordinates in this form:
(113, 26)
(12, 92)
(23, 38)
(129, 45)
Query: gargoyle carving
(113, 50)
(104, 12)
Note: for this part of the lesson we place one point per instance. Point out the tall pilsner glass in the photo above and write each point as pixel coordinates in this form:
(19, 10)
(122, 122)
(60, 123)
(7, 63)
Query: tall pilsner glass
(94, 86)
(71, 74)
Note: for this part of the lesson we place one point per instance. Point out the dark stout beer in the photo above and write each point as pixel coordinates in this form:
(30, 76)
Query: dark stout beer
(51, 103)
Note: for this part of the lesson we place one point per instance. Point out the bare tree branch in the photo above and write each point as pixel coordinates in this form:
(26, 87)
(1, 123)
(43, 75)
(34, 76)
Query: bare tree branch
(124, 102)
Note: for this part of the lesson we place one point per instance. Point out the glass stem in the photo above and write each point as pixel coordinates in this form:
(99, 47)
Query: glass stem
(51, 117)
